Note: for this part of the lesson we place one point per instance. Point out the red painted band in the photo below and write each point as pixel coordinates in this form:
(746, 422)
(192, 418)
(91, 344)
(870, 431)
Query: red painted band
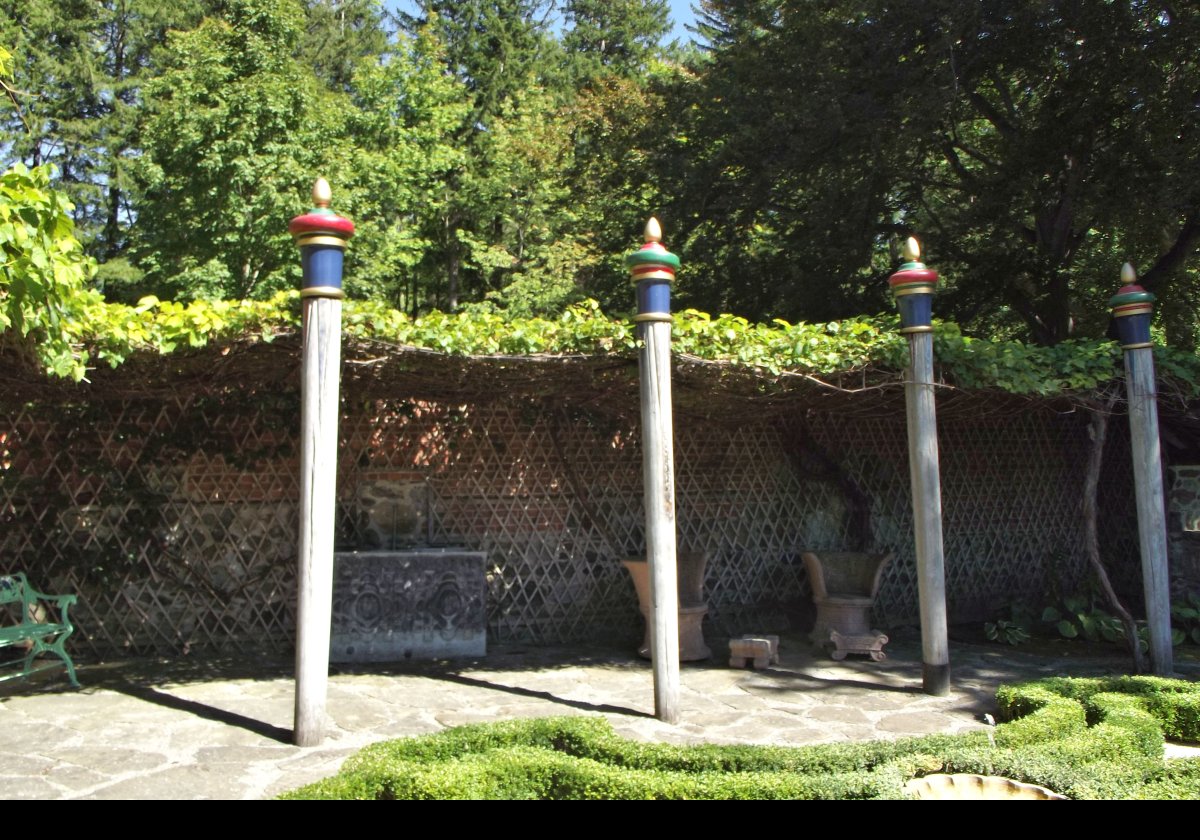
(317, 223)
(913, 275)
(1132, 309)
(648, 268)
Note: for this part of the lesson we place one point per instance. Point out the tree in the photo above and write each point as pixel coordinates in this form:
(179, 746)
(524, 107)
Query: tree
(404, 122)
(1068, 142)
(626, 156)
(83, 64)
(498, 48)
(505, 56)
(236, 128)
(533, 247)
(614, 36)
(1033, 145)
(340, 35)
(58, 69)
(43, 269)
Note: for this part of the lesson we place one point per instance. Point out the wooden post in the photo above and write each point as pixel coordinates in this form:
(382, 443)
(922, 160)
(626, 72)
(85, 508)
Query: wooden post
(653, 268)
(321, 236)
(913, 285)
(1132, 309)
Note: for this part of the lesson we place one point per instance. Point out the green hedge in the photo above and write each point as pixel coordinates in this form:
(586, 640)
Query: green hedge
(1173, 704)
(1086, 738)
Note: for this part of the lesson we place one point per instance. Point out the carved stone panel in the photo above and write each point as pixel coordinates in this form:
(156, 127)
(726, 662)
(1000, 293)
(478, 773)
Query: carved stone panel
(389, 606)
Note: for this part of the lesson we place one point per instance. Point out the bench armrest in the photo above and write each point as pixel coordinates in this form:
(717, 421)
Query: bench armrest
(61, 602)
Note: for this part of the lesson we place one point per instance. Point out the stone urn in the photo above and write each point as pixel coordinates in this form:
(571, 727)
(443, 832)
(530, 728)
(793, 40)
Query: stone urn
(844, 585)
(692, 608)
(972, 786)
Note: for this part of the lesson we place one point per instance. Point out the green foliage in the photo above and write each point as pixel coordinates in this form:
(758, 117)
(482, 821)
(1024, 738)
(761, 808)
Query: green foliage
(493, 158)
(1036, 145)
(235, 129)
(341, 35)
(851, 353)
(1185, 618)
(396, 161)
(79, 71)
(1008, 632)
(1078, 616)
(1035, 714)
(43, 270)
(1099, 738)
(613, 36)
(1172, 703)
(1012, 626)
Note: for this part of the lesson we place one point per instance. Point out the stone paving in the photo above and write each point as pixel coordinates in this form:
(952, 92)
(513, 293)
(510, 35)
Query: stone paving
(221, 730)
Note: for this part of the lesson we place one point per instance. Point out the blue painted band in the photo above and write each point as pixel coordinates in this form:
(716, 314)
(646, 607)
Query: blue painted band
(322, 265)
(1133, 329)
(915, 310)
(654, 296)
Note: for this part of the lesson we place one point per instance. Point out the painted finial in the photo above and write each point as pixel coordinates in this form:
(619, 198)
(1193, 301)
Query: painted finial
(321, 235)
(914, 285)
(652, 267)
(322, 195)
(1132, 309)
(653, 230)
(321, 221)
(912, 250)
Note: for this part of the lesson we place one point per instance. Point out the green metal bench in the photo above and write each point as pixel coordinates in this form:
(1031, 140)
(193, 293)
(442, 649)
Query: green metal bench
(36, 630)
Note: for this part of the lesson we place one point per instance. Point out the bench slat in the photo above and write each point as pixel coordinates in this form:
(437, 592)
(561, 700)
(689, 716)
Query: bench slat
(24, 632)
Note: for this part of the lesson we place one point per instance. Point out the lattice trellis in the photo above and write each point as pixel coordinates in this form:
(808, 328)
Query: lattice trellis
(1011, 493)
(175, 520)
(169, 547)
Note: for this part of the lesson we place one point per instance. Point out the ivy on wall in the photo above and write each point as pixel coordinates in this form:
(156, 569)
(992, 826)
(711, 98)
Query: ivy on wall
(109, 333)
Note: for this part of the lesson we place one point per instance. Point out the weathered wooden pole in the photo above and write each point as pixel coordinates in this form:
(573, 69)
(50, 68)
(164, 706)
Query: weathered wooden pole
(913, 285)
(1132, 309)
(321, 236)
(652, 267)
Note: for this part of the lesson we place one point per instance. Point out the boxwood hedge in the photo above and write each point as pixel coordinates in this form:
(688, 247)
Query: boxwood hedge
(1086, 738)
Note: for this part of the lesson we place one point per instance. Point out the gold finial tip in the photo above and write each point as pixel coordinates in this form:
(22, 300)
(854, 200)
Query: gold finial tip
(912, 250)
(321, 193)
(653, 230)
(1128, 274)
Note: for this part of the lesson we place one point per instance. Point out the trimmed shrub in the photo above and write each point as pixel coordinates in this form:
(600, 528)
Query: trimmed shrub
(1086, 738)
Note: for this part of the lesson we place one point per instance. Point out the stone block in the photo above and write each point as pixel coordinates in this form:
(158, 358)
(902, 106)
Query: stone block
(760, 651)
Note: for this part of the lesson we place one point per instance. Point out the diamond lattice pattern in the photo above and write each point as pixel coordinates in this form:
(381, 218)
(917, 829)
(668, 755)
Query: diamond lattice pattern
(176, 521)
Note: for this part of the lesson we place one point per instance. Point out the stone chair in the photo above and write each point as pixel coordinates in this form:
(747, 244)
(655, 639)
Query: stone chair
(690, 567)
(844, 585)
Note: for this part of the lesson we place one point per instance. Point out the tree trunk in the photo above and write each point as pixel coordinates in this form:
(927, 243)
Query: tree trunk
(1099, 432)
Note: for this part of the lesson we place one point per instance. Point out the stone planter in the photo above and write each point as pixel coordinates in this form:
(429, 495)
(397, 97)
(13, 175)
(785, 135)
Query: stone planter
(692, 608)
(844, 585)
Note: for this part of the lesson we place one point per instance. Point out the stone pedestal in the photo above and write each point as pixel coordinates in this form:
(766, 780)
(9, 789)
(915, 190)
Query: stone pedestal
(389, 606)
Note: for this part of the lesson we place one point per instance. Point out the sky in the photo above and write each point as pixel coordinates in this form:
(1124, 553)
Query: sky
(681, 15)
